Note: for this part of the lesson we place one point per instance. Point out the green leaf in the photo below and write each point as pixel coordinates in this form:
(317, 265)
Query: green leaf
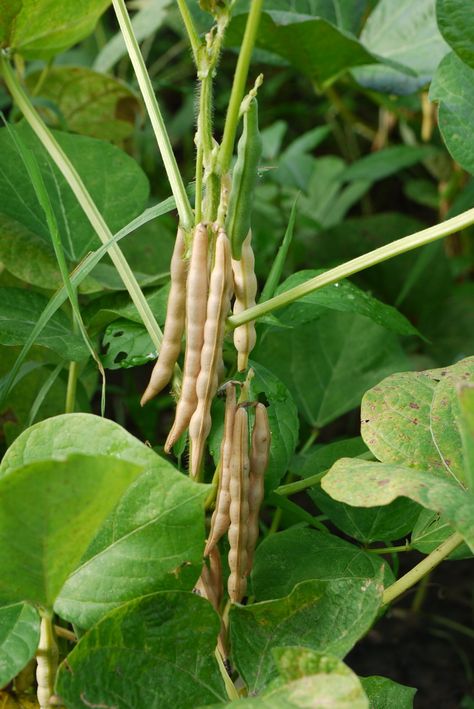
(117, 185)
(405, 32)
(39, 29)
(49, 513)
(386, 162)
(113, 306)
(329, 363)
(19, 311)
(366, 484)
(327, 616)
(453, 88)
(397, 419)
(127, 344)
(153, 540)
(384, 693)
(466, 405)
(312, 45)
(285, 559)
(19, 638)
(86, 102)
(455, 24)
(430, 531)
(164, 643)
(344, 297)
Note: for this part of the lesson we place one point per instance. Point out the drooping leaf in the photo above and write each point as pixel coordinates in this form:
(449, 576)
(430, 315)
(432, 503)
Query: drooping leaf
(364, 484)
(405, 32)
(285, 559)
(344, 297)
(384, 693)
(117, 184)
(86, 102)
(164, 641)
(39, 29)
(312, 45)
(455, 24)
(329, 363)
(327, 616)
(19, 311)
(19, 638)
(453, 88)
(154, 538)
(49, 513)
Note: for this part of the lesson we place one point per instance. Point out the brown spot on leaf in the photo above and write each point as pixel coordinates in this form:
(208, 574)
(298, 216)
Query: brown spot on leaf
(414, 405)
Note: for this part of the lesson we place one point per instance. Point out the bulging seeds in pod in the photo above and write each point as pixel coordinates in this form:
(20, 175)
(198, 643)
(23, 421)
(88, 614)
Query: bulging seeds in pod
(174, 324)
(259, 456)
(245, 288)
(220, 518)
(218, 306)
(239, 507)
(196, 307)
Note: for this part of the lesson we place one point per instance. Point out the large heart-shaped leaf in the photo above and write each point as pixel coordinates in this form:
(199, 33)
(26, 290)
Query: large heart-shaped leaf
(49, 513)
(327, 616)
(117, 184)
(164, 641)
(19, 638)
(364, 484)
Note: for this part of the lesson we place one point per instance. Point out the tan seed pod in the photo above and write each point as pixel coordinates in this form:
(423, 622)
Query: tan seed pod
(245, 287)
(218, 306)
(174, 324)
(209, 583)
(196, 306)
(239, 507)
(259, 455)
(220, 518)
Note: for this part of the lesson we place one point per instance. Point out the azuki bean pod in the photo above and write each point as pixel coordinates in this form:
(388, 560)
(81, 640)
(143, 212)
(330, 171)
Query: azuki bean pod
(239, 507)
(245, 288)
(174, 324)
(259, 455)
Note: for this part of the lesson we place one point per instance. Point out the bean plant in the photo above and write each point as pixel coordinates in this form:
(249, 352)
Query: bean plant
(236, 543)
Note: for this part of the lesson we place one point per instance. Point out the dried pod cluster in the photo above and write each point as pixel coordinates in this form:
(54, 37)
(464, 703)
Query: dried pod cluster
(198, 305)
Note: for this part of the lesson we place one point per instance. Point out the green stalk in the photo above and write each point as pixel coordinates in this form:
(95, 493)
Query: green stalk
(305, 483)
(423, 568)
(164, 144)
(190, 29)
(333, 275)
(85, 200)
(238, 87)
(70, 404)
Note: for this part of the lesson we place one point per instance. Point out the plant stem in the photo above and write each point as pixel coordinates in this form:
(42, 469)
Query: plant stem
(47, 659)
(71, 388)
(333, 275)
(85, 200)
(164, 144)
(299, 485)
(238, 87)
(423, 568)
(190, 29)
(390, 550)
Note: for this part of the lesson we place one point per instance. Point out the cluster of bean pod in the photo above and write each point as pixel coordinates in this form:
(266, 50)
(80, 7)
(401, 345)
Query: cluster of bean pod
(198, 305)
(241, 488)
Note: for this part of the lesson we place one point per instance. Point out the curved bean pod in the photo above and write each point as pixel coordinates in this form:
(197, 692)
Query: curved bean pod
(239, 507)
(196, 306)
(220, 518)
(218, 306)
(245, 287)
(259, 454)
(174, 324)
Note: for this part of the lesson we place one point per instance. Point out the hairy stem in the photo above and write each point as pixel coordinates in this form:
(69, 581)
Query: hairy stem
(423, 568)
(164, 144)
(84, 198)
(333, 275)
(47, 661)
(238, 87)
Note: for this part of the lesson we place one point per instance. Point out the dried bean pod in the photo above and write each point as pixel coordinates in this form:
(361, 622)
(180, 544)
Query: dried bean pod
(209, 583)
(220, 518)
(259, 454)
(239, 507)
(174, 324)
(245, 287)
(196, 306)
(218, 306)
